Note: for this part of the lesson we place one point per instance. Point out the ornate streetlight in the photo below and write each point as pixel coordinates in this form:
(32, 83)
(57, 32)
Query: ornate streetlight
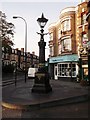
(41, 84)
(15, 17)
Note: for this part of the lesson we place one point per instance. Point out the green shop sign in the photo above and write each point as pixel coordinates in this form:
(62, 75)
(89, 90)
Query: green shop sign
(65, 58)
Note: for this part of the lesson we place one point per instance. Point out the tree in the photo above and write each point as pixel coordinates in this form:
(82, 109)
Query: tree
(7, 32)
(6, 37)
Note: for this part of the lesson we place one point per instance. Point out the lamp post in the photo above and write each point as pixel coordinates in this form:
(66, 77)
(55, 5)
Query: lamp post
(15, 17)
(15, 72)
(41, 83)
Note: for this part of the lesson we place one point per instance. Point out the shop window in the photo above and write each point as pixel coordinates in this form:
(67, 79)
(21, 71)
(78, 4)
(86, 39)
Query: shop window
(73, 70)
(65, 70)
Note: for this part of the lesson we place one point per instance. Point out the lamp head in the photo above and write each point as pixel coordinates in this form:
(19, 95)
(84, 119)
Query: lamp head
(15, 17)
(42, 21)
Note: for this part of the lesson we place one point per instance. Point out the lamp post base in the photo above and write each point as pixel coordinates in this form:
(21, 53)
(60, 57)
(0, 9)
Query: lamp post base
(41, 83)
(41, 88)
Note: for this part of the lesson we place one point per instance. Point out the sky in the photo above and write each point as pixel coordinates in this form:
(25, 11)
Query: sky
(31, 10)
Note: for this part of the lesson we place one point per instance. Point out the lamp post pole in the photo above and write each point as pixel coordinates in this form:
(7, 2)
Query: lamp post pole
(15, 17)
(41, 84)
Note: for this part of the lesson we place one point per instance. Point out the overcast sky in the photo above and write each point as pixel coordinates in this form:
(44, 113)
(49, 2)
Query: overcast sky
(30, 11)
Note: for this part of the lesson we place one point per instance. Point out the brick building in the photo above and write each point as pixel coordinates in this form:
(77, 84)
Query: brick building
(17, 56)
(68, 36)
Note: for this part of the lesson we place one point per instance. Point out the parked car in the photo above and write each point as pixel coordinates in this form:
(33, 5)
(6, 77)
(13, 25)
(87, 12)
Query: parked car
(31, 72)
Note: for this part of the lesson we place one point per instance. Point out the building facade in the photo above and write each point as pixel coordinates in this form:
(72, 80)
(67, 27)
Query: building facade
(82, 39)
(17, 57)
(67, 36)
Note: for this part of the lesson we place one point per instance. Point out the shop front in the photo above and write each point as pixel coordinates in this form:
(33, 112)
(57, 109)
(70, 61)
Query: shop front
(83, 67)
(63, 67)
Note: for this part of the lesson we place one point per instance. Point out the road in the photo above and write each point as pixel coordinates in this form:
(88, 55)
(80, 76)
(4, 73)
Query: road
(11, 76)
(8, 79)
(79, 110)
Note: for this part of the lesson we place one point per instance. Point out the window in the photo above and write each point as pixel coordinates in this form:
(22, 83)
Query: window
(65, 70)
(13, 57)
(24, 58)
(83, 0)
(2, 55)
(66, 44)
(51, 36)
(2, 48)
(73, 70)
(66, 25)
(51, 51)
(7, 56)
(12, 50)
(62, 69)
(16, 57)
(84, 39)
(6, 50)
(59, 48)
(83, 19)
(22, 53)
(15, 51)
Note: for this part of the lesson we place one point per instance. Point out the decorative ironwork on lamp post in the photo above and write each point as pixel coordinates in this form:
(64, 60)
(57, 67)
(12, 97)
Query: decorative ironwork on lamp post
(15, 17)
(41, 83)
(42, 22)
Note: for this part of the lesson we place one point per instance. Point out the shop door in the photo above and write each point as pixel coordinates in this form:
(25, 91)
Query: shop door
(55, 73)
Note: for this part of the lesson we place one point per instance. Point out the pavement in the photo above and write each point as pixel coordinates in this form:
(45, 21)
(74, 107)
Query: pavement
(21, 97)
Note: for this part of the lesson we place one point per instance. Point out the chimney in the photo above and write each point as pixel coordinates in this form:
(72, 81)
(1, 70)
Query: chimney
(22, 49)
(33, 53)
(16, 48)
